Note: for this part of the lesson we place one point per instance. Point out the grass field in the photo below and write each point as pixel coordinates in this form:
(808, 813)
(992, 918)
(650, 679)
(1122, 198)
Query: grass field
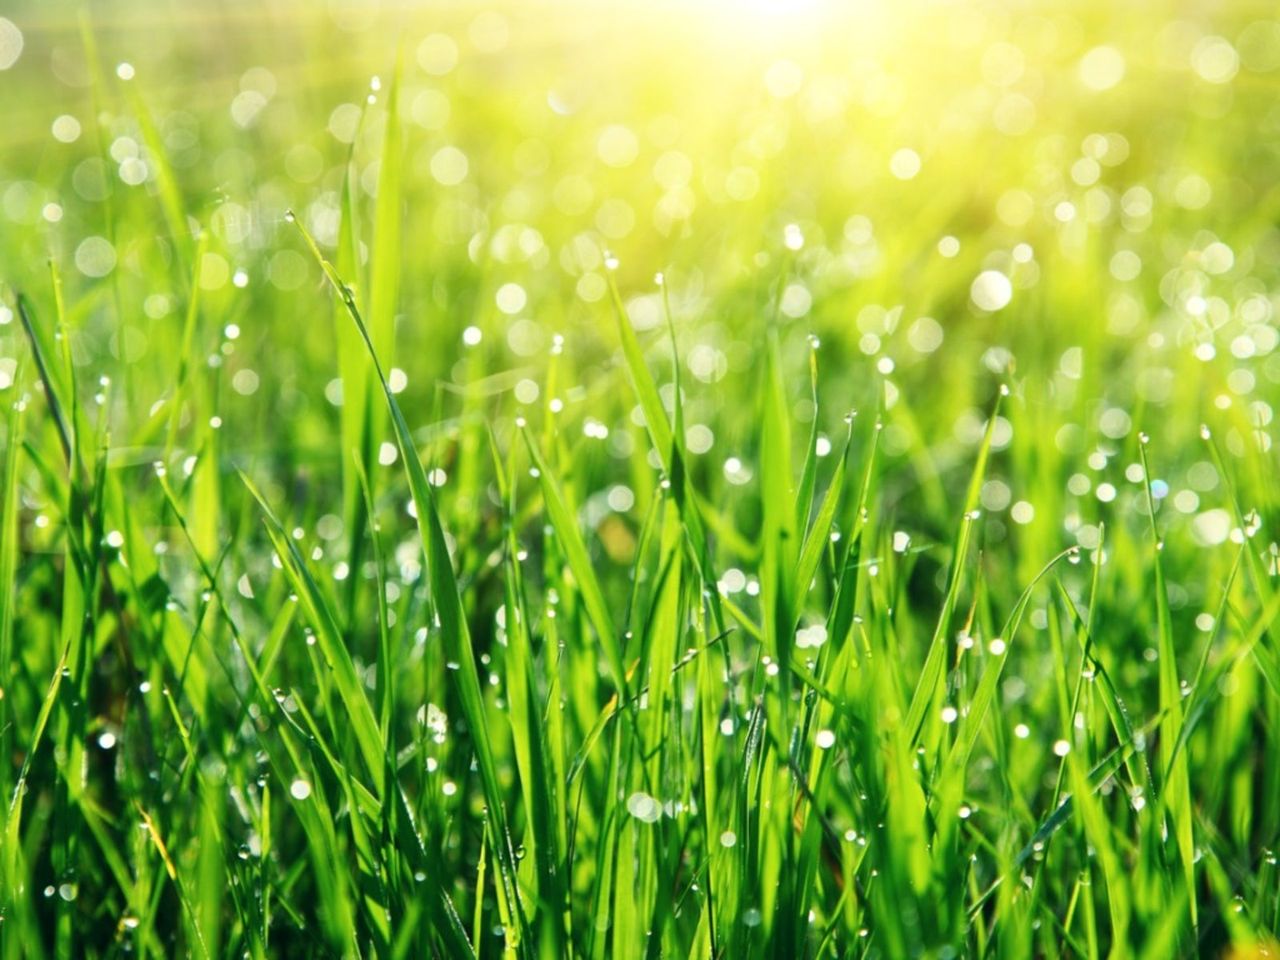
(674, 479)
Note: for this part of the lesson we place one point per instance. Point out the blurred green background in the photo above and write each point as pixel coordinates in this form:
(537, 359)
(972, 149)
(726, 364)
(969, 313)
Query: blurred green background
(1116, 164)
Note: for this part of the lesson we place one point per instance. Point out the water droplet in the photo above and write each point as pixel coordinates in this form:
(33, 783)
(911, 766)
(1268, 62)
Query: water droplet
(644, 807)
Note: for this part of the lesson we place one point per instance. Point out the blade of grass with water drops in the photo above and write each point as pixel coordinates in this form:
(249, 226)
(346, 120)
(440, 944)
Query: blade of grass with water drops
(655, 416)
(9, 501)
(355, 429)
(819, 535)
(534, 723)
(366, 423)
(360, 715)
(840, 618)
(927, 686)
(361, 802)
(1093, 669)
(1176, 784)
(15, 877)
(661, 635)
(684, 492)
(63, 424)
(805, 845)
(1101, 837)
(670, 444)
(984, 696)
(83, 537)
(448, 607)
(809, 469)
(1061, 816)
(1265, 654)
(186, 361)
(575, 551)
(778, 514)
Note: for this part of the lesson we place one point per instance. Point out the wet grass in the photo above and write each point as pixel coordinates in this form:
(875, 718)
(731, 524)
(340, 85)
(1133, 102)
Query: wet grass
(648, 517)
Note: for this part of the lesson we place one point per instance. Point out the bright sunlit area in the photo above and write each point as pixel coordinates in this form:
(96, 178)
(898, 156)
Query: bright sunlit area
(550, 479)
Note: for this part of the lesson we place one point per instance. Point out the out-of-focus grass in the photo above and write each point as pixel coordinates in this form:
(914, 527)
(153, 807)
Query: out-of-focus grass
(650, 480)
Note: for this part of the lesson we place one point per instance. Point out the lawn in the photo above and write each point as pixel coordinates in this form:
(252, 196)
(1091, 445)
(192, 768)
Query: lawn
(694, 478)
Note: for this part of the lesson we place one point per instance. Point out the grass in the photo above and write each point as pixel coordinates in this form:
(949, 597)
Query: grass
(640, 482)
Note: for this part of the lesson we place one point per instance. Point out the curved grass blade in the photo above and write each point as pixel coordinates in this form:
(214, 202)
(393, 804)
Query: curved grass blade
(448, 606)
(927, 685)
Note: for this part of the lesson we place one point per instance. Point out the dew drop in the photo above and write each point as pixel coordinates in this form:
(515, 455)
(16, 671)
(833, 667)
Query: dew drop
(644, 807)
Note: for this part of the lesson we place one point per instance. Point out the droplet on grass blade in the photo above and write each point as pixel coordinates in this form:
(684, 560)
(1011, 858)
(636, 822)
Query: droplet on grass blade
(643, 807)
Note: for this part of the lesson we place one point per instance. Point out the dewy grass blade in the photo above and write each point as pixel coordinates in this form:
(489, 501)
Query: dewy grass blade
(448, 607)
(186, 361)
(655, 415)
(575, 549)
(669, 445)
(13, 427)
(360, 714)
(51, 391)
(1175, 785)
(927, 685)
